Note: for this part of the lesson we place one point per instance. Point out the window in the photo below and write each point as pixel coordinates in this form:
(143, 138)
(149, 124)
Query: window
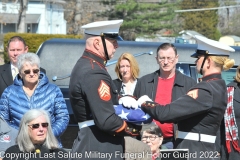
(190, 70)
(4, 6)
(31, 27)
(229, 75)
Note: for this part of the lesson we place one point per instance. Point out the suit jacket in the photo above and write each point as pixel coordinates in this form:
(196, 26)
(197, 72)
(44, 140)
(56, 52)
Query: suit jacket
(6, 78)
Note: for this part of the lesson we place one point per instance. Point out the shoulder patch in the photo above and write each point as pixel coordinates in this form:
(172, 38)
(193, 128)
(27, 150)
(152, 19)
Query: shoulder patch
(104, 91)
(193, 93)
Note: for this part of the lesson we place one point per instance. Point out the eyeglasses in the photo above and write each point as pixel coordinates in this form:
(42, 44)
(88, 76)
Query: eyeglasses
(169, 59)
(35, 71)
(37, 125)
(152, 138)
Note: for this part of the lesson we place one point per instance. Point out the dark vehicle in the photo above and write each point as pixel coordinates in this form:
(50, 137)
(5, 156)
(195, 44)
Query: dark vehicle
(58, 57)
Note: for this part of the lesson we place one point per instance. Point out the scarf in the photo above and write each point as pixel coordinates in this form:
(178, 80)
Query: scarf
(231, 129)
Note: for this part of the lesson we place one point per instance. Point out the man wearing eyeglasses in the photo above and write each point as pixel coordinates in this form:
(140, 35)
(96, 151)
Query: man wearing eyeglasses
(16, 46)
(164, 86)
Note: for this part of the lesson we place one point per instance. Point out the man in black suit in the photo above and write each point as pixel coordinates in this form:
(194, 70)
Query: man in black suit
(16, 45)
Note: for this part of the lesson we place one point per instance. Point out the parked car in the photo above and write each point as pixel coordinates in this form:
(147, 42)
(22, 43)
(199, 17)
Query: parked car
(58, 56)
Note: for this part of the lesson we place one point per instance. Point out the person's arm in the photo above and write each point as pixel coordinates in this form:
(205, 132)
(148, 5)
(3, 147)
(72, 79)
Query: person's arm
(4, 106)
(98, 92)
(194, 102)
(61, 114)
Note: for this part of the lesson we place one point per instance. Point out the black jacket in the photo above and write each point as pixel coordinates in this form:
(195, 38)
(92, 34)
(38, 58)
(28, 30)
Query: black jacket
(45, 153)
(118, 84)
(147, 85)
(92, 96)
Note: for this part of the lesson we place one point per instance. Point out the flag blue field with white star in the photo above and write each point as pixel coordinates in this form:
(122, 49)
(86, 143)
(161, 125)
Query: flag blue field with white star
(136, 116)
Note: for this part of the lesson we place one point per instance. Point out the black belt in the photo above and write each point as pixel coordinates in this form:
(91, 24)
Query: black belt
(166, 140)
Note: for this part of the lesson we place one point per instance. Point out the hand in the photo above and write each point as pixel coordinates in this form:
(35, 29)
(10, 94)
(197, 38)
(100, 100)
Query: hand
(128, 102)
(143, 99)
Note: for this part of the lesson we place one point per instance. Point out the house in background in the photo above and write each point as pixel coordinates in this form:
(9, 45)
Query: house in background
(157, 38)
(230, 40)
(187, 37)
(41, 17)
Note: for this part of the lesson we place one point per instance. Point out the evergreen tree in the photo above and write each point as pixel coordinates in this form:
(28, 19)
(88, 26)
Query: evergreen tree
(204, 22)
(142, 18)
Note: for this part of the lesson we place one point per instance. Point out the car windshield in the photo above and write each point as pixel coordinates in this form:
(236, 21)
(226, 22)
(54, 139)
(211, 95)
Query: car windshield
(190, 70)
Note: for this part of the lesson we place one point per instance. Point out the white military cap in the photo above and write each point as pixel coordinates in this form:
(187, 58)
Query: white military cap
(211, 47)
(109, 28)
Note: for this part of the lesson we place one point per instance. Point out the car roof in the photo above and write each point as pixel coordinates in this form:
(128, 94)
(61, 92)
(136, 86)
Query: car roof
(58, 56)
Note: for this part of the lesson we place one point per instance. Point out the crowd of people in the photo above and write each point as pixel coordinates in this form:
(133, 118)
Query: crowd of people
(201, 117)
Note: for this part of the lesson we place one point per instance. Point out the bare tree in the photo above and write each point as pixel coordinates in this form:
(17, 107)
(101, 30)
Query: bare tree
(22, 16)
(73, 15)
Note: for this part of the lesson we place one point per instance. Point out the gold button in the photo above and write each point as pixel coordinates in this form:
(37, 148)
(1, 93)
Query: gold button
(134, 130)
(38, 151)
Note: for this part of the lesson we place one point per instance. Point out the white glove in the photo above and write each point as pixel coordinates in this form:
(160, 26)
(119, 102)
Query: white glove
(143, 99)
(128, 102)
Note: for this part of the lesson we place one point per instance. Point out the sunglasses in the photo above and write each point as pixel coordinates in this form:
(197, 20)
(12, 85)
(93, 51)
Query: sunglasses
(35, 71)
(37, 125)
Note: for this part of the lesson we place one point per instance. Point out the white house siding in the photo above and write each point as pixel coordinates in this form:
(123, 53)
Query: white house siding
(51, 21)
(227, 40)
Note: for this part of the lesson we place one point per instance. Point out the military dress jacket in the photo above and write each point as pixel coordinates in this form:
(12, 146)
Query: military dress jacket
(199, 111)
(92, 96)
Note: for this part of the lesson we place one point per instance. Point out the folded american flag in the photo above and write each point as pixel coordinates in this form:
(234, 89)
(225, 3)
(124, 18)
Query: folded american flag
(135, 116)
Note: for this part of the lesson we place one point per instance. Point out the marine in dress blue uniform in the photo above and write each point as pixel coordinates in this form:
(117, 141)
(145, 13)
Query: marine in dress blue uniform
(93, 95)
(199, 112)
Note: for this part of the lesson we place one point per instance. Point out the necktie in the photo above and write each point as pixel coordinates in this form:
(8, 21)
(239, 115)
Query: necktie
(14, 72)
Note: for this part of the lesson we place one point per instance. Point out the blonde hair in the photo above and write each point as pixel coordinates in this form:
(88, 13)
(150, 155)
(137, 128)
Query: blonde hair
(224, 62)
(133, 65)
(237, 77)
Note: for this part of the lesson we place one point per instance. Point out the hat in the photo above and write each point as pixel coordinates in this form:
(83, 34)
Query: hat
(210, 47)
(110, 28)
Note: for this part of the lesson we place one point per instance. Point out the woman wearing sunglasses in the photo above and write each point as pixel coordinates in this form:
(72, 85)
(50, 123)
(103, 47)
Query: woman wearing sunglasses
(35, 139)
(32, 90)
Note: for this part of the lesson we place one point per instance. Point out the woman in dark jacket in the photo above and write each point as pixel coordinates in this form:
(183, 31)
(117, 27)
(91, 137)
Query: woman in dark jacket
(127, 71)
(230, 144)
(35, 139)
